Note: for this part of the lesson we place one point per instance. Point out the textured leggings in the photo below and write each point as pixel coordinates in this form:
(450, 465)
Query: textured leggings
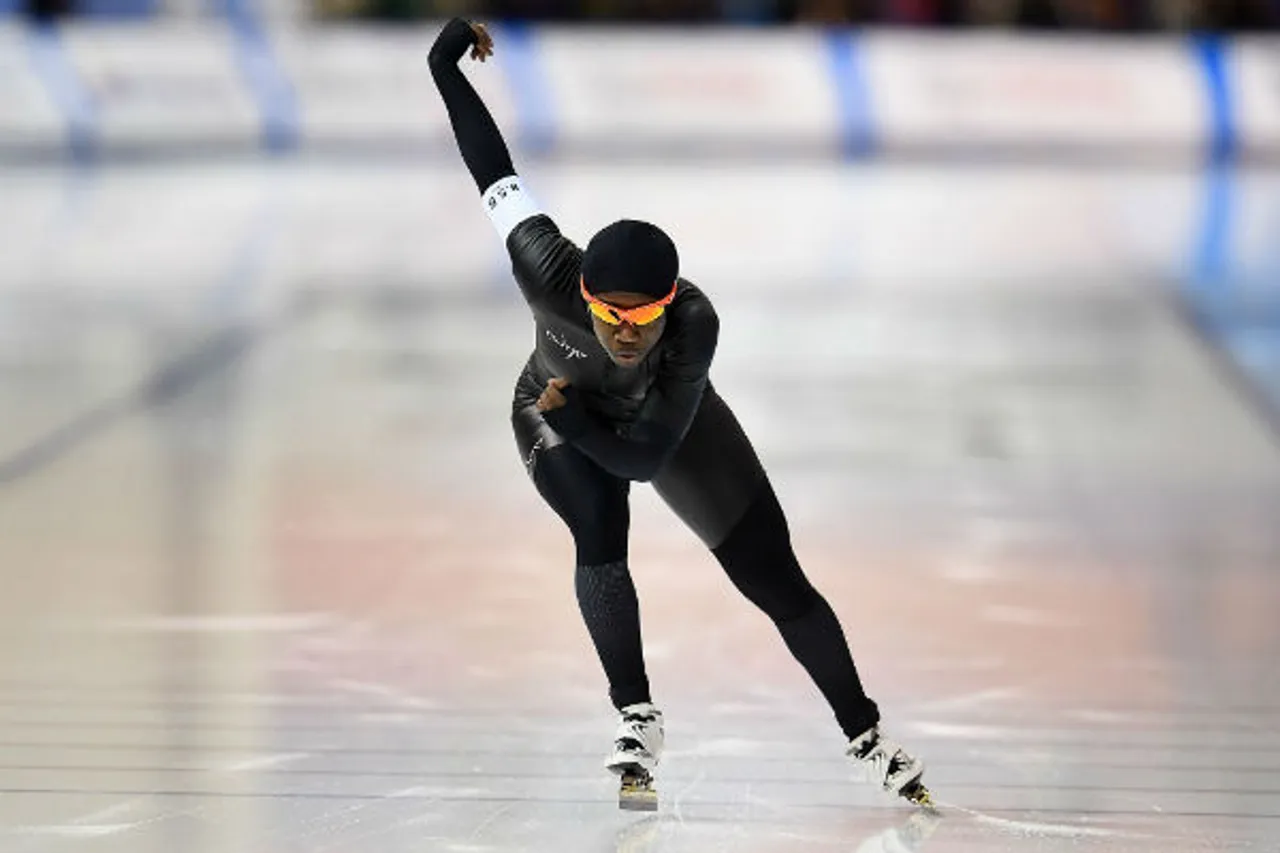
(716, 485)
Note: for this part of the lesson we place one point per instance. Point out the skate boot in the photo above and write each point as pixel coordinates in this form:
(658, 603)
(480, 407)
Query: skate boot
(888, 765)
(637, 748)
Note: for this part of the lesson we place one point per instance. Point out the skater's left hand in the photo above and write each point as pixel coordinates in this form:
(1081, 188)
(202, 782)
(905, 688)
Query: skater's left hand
(552, 396)
(562, 409)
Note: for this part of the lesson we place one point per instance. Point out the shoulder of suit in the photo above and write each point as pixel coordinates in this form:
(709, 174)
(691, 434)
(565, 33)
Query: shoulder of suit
(693, 306)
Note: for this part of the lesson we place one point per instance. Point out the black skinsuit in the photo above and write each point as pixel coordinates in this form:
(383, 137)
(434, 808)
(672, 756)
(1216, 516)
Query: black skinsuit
(658, 421)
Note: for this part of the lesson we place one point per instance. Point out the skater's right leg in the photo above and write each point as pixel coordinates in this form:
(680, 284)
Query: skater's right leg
(594, 505)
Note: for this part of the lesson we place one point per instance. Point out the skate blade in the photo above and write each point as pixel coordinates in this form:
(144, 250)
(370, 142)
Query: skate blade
(638, 801)
(636, 793)
(917, 794)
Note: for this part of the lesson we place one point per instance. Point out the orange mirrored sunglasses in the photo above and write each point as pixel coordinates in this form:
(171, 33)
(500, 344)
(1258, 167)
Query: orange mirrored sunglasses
(641, 315)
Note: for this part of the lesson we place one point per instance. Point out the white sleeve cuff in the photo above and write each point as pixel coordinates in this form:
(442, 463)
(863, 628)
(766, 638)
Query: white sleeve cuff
(508, 204)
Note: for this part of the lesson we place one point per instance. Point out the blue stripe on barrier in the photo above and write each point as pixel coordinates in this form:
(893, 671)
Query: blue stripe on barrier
(1210, 266)
(1209, 276)
(1212, 53)
(271, 87)
(535, 109)
(853, 95)
(50, 63)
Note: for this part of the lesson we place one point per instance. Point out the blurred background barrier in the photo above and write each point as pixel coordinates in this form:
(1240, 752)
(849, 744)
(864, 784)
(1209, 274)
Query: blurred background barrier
(1056, 96)
(242, 82)
(1139, 85)
(999, 283)
(1254, 67)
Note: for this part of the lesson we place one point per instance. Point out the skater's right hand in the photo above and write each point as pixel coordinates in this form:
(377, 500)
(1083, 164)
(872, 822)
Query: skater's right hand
(484, 43)
(457, 36)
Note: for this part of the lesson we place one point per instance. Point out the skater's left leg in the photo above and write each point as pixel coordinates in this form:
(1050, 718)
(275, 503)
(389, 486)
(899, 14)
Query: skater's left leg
(758, 557)
(716, 484)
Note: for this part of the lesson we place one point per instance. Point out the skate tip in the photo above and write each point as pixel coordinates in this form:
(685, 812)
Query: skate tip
(917, 794)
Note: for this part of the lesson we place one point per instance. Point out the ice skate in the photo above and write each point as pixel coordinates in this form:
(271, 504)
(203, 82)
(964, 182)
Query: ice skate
(637, 748)
(888, 765)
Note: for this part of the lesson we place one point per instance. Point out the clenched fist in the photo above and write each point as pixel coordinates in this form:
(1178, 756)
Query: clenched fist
(552, 396)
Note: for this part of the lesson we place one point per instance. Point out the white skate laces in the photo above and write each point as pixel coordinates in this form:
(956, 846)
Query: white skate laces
(884, 762)
(639, 739)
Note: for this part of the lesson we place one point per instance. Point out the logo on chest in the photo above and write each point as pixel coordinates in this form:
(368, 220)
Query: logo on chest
(570, 351)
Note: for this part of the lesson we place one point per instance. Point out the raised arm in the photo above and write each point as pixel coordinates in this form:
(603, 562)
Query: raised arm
(481, 143)
(542, 258)
(505, 199)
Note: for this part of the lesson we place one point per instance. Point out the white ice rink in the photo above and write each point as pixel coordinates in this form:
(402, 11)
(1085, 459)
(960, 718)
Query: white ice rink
(272, 579)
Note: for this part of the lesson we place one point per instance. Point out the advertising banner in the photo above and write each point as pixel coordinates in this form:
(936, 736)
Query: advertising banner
(1256, 69)
(1002, 93)
(621, 91)
(372, 88)
(164, 85)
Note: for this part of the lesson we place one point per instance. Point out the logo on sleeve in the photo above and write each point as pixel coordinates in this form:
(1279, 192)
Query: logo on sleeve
(501, 191)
